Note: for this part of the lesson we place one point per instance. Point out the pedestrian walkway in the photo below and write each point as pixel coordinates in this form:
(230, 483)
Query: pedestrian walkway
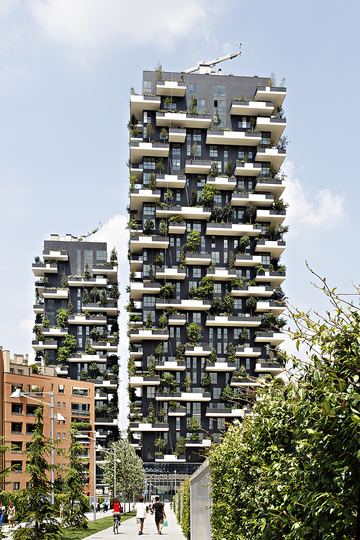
(128, 529)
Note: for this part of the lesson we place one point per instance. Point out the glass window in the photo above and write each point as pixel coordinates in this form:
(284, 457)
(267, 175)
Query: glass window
(16, 408)
(176, 164)
(201, 107)
(176, 150)
(215, 257)
(197, 318)
(101, 255)
(193, 89)
(217, 289)
(197, 135)
(150, 391)
(149, 163)
(147, 87)
(213, 151)
(219, 90)
(216, 393)
(196, 272)
(149, 210)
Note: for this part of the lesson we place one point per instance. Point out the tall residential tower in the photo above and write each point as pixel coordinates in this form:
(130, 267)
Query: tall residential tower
(76, 326)
(206, 236)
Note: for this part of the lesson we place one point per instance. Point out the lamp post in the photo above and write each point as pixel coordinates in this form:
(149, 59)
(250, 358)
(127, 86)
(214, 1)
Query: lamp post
(17, 394)
(94, 440)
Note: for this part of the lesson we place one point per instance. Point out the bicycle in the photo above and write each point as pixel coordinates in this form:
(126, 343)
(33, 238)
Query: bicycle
(116, 523)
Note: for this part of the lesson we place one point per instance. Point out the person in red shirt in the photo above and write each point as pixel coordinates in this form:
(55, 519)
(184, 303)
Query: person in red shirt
(117, 509)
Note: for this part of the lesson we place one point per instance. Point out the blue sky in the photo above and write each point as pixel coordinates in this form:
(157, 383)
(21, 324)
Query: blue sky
(66, 68)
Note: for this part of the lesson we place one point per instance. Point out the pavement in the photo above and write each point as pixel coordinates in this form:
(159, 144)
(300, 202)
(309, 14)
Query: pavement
(128, 529)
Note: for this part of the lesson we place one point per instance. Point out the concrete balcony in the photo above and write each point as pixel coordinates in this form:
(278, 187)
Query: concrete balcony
(53, 255)
(247, 352)
(274, 278)
(186, 212)
(197, 166)
(171, 273)
(38, 308)
(85, 319)
(202, 443)
(136, 353)
(168, 365)
(184, 396)
(183, 120)
(140, 335)
(105, 346)
(221, 274)
(170, 458)
(252, 290)
(138, 243)
(138, 150)
(177, 227)
(274, 247)
(170, 88)
(138, 104)
(275, 217)
(61, 371)
(40, 269)
(140, 196)
(138, 289)
(232, 229)
(272, 155)
(137, 169)
(55, 331)
(184, 305)
(56, 294)
(197, 259)
(247, 169)
(108, 270)
(271, 93)
(272, 338)
(270, 307)
(222, 183)
(170, 181)
(232, 322)
(252, 108)
(136, 263)
(271, 368)
(272, 185)
(140, 381)
(275, 126)
(243, 138)
(224, 413)
(176, 320)
(178, 411)
(247, 260)
(245, 383)
(221, 367)
(44, 345)
(149, 427)
(177, 135)
(259, 199)
(88, 358)
(198, 351)
(87, 282)
(109, 309)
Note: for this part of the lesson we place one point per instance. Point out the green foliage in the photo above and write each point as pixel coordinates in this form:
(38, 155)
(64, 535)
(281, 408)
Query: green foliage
(45, 321)
(130, 474)
(185, 513)
(114, 292)
(250, 211)
(159, 350)
(180, 447)
(163, 228)
(149, 321)
(151, 414)
(85, 297)
(214, 171)
(251, 303)
(83, 375)
(206, 287)
(217, 119)
(243, 373)
(228, 168)
(193, 241)
(244, 242)
(194, 333)
(232, 260)
(159, 72)
(149, 130)
(182, 260)
(70, 308)
(229, 303)
(75, 502)
(149, 226)
(88, 349)
(38, 517)
(151, 366)
(193, 196)
(212, 358)
(293, 466)
(163, 321)
(231, 356)
(206, 382)
(62, 318)
(193, 110)
(187, 382)
(167, 291)
(87, 273)
(194, 424)
(152, 181)
(180, 352)
(207, 195)
(227, 396)
(168, 381)
(64, 281)
(103, 297)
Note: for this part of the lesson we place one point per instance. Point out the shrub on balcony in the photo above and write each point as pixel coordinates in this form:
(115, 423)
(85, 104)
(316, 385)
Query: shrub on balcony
(180, 448)
(194, 333)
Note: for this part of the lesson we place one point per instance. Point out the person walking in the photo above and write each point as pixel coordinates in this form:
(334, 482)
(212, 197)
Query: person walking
(140, 514)
(11, 515)
(158, 510)
(2, 513)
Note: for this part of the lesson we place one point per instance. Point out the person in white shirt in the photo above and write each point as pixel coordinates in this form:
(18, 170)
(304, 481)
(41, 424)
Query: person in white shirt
(140, 508)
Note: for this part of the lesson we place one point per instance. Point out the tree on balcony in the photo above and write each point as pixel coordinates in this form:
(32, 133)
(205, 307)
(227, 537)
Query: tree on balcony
(95, 334)
(231, 356)
(212, 358)
(227, 396)
(114, 292)
(87, 273)
(152, 181)
(217, 306)
(62, 318)
(275, 233)
(180, 448)
(70, 308)
(193, 196)
(194, 427)
(159, 445)
(159, 350)
(103, 297)
(229, 303)
(163, 228)
(250, 211)
(194, 333)
(232, 260)
(149, 130)
(244, 242)
(88, 349)
(251, 304)
(193, 241)
(206, 382)
(149, 321)
(229, 169)
(149, 226)
(163, 321)
(186, 384)
(206, 287)
(182, 260)
(151, 414)
(45, 321)
(85, 297)
(207, 194)
(151, 366)
(131, 367)
(180, 352)
(95, 294)
(214, 171)
(64, 281)
(217, 119)
(160, 162)
(167, 291)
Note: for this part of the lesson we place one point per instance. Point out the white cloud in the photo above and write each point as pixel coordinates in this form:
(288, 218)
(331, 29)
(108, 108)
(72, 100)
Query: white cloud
(317, 209)
(6, 6)
(90, 25)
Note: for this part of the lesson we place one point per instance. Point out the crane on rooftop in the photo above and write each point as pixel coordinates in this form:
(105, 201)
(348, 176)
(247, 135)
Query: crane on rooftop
(205, 67)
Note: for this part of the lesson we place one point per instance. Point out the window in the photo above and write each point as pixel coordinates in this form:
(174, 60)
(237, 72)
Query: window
(213, 151)
(196, 272)
(101, 255)
(265, 138)
(196, 226)
(89, 257)
(16, 408)
(16, 447)
(64, 405)
(16, 486)
(177, 423)
(197, 135)
(176, 165)
(149, 210)
(215, 257)
(214, 378)
(150, 392)
(217, 289)
(30, 428)
(201, 107)
(149, 163)
(193, 284)
(147, 87)
(193, 89)
(217, 198)
(176, 150)
(238, 303)
(197, 318)
(221, 423)
(219, 90)
(216, 393)
(265, 259)
(265, 169)
(16, 427)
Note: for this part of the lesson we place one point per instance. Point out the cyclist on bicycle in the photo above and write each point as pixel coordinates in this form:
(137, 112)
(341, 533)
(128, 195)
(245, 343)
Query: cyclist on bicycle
(116, 511)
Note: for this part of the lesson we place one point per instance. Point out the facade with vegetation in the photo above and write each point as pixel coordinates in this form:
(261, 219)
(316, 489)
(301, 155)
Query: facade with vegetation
(76, 328)
(206, 235)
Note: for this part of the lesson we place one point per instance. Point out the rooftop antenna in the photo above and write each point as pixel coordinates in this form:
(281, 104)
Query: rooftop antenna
(205, 67)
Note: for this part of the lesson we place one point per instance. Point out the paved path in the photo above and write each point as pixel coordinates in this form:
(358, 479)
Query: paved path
(128, 529)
